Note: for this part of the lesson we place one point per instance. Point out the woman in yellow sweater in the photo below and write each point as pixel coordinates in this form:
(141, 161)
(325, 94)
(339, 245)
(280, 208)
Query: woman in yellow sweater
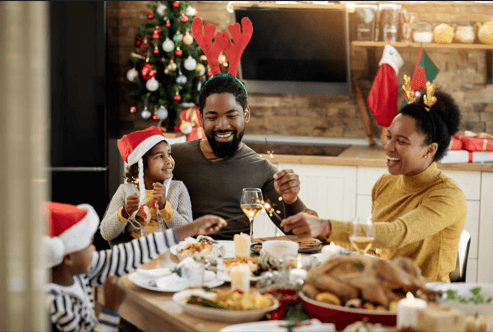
(418, 211)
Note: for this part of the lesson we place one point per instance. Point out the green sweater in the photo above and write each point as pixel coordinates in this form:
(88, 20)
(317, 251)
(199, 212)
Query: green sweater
(420, 216)
(216, 187)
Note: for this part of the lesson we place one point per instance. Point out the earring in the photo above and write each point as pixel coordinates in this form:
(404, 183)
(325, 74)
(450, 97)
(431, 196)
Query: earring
(426, 156)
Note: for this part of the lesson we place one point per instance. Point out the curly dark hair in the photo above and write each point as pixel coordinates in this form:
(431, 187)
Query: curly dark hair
(132, 173)
(223, 85)
(439, 124)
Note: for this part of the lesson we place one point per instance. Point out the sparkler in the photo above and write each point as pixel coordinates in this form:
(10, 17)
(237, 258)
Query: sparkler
(270, 210)
(270, 152)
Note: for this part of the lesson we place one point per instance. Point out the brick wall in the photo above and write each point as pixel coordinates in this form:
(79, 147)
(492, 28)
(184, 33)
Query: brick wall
(462, 74)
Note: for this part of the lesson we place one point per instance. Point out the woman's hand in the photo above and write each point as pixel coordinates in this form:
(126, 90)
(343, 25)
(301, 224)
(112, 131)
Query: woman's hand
(132, 203)
(159, 194)
(114, 294)
(204, 225)
(306, 225)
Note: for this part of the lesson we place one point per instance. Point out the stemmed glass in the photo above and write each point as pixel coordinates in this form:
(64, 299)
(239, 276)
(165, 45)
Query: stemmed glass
(252, 203)
(362, 234)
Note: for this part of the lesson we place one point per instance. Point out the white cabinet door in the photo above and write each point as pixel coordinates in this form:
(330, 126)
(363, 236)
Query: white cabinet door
(329, 190)
(367, 176)
(485, 250)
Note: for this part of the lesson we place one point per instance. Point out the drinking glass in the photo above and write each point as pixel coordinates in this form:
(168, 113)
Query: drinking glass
(362, 234)
(252, 203)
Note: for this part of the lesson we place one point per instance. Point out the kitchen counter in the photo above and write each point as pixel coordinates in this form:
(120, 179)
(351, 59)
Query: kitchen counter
(364, 155)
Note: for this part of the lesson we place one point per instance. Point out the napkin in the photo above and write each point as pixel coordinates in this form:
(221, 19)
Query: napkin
(149, 275)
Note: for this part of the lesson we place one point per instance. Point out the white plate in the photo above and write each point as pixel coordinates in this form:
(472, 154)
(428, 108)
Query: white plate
(277, 326)
(222, 315)
(173, 283)
(229, 247)
(463, 289)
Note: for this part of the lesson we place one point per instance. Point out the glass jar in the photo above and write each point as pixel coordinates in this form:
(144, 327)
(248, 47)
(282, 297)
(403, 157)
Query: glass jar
(422, 32)
(465, 33)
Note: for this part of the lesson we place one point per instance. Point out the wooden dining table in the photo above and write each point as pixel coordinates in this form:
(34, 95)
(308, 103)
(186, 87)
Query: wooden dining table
(156, 311)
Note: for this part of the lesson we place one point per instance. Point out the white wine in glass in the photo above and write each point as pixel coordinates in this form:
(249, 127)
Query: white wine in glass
(362, 234)
(252, 203)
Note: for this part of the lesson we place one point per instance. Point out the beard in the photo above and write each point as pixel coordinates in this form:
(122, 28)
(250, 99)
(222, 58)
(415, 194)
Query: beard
(223, 150)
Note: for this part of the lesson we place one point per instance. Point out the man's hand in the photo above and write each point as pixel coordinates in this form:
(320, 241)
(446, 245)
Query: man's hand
(132, 203)
(159, 194)
(287, 184)
(204, 225)
(306, 225)
(114, 294)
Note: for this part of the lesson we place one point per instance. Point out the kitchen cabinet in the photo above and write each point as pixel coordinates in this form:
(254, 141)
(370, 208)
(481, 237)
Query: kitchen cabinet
(485, 250)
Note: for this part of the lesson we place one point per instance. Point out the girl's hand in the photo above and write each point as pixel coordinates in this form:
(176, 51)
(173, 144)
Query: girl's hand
(114, 294)
(132, 203)
(159, 194)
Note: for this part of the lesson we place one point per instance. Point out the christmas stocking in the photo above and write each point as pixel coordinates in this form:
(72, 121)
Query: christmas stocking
(382, 99)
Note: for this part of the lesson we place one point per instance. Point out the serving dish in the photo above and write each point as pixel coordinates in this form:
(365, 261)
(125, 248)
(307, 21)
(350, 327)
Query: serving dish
(223, 315)
(343, 316)
(279, 326)
(172, 282)
(301, 251)
(463, 289)
(227, 247)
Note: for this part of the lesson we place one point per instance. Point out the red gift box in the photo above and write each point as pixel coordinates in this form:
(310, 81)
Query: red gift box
(455, 144)
(476, 142)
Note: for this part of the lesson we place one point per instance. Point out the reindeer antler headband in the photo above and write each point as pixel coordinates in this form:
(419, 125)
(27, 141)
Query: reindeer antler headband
(428, 99)
(223, 42)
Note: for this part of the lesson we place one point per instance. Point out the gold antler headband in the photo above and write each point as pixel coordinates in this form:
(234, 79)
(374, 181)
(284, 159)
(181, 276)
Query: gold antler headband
(428, 99)
(407, 89)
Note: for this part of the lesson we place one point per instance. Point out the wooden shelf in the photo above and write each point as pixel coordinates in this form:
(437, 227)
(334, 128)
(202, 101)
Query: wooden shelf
(373, 61)
(425, 45)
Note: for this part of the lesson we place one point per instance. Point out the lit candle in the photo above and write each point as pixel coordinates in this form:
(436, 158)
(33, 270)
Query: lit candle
(242, 245)
(330, 251)
(407, 311)
(298, 273)
(240, 277)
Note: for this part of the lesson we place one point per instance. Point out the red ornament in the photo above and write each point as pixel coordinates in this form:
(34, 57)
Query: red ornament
(176, 4)
(156, 51)
(155, 118)
(155, 35)
(168, 24)
(184, 19)
(209, 73)
(177, 97)
(147, 71)
(178, 52)
(138, 42)
(158, 29)
(144, 45)
(150, 15)
(196, 14)
(203, 58)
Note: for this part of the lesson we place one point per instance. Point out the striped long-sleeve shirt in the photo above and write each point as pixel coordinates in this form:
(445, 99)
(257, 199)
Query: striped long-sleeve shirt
(72, 308)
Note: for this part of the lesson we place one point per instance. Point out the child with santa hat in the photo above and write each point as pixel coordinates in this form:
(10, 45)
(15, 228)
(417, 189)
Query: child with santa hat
(76, 266)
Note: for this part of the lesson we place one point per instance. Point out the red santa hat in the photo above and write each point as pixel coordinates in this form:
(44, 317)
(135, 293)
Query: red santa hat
(71, 229)
(132, 147)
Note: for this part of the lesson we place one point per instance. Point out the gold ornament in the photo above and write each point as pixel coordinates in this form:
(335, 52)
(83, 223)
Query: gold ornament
(407, 89)
(172, 66)
(429, 99)
(188, 39)
(485, 33)
(203, 58)
(443, 34)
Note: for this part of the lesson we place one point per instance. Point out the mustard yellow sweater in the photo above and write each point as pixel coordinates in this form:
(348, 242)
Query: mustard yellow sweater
(420, 216)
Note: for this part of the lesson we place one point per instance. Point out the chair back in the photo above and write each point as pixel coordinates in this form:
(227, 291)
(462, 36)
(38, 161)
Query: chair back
(459, 275)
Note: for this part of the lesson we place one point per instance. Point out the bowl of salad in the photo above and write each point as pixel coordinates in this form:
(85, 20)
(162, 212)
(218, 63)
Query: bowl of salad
(470, 298)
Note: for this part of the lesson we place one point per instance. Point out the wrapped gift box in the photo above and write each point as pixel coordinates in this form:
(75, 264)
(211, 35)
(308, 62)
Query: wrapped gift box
(463, 156)
(455, 144)
(476, 141)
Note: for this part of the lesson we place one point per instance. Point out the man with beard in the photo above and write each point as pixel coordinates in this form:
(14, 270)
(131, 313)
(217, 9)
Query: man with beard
(216, 170)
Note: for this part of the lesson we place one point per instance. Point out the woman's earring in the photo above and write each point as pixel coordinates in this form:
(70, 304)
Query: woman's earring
(426, 156)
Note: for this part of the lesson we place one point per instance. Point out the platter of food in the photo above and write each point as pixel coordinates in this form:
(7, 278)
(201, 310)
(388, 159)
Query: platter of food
(226, 264)
(202, 248)
(470, 298)
(350, 288)
(306, 246)
(225, 306)
(172, 282)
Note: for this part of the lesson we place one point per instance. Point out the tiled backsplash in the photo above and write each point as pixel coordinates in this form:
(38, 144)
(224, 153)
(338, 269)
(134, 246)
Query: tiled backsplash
(462, 74)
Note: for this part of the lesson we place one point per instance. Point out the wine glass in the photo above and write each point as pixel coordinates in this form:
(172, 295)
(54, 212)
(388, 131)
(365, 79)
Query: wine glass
(362, 234)
(252, 203)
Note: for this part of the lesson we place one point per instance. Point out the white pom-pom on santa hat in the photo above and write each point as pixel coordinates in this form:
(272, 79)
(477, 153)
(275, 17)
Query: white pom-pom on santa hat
(132, 147)
(71, 230)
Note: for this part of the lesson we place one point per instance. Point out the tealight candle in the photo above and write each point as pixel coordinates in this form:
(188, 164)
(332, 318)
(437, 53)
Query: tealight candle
(240, 277)
(329, 251)
(298, 273)
(407, 311)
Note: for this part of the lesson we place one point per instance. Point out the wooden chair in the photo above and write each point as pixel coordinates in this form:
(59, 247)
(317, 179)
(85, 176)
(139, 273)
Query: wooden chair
(459, 275)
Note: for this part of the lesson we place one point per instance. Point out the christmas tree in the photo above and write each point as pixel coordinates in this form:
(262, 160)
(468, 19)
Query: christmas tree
(168, 66)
